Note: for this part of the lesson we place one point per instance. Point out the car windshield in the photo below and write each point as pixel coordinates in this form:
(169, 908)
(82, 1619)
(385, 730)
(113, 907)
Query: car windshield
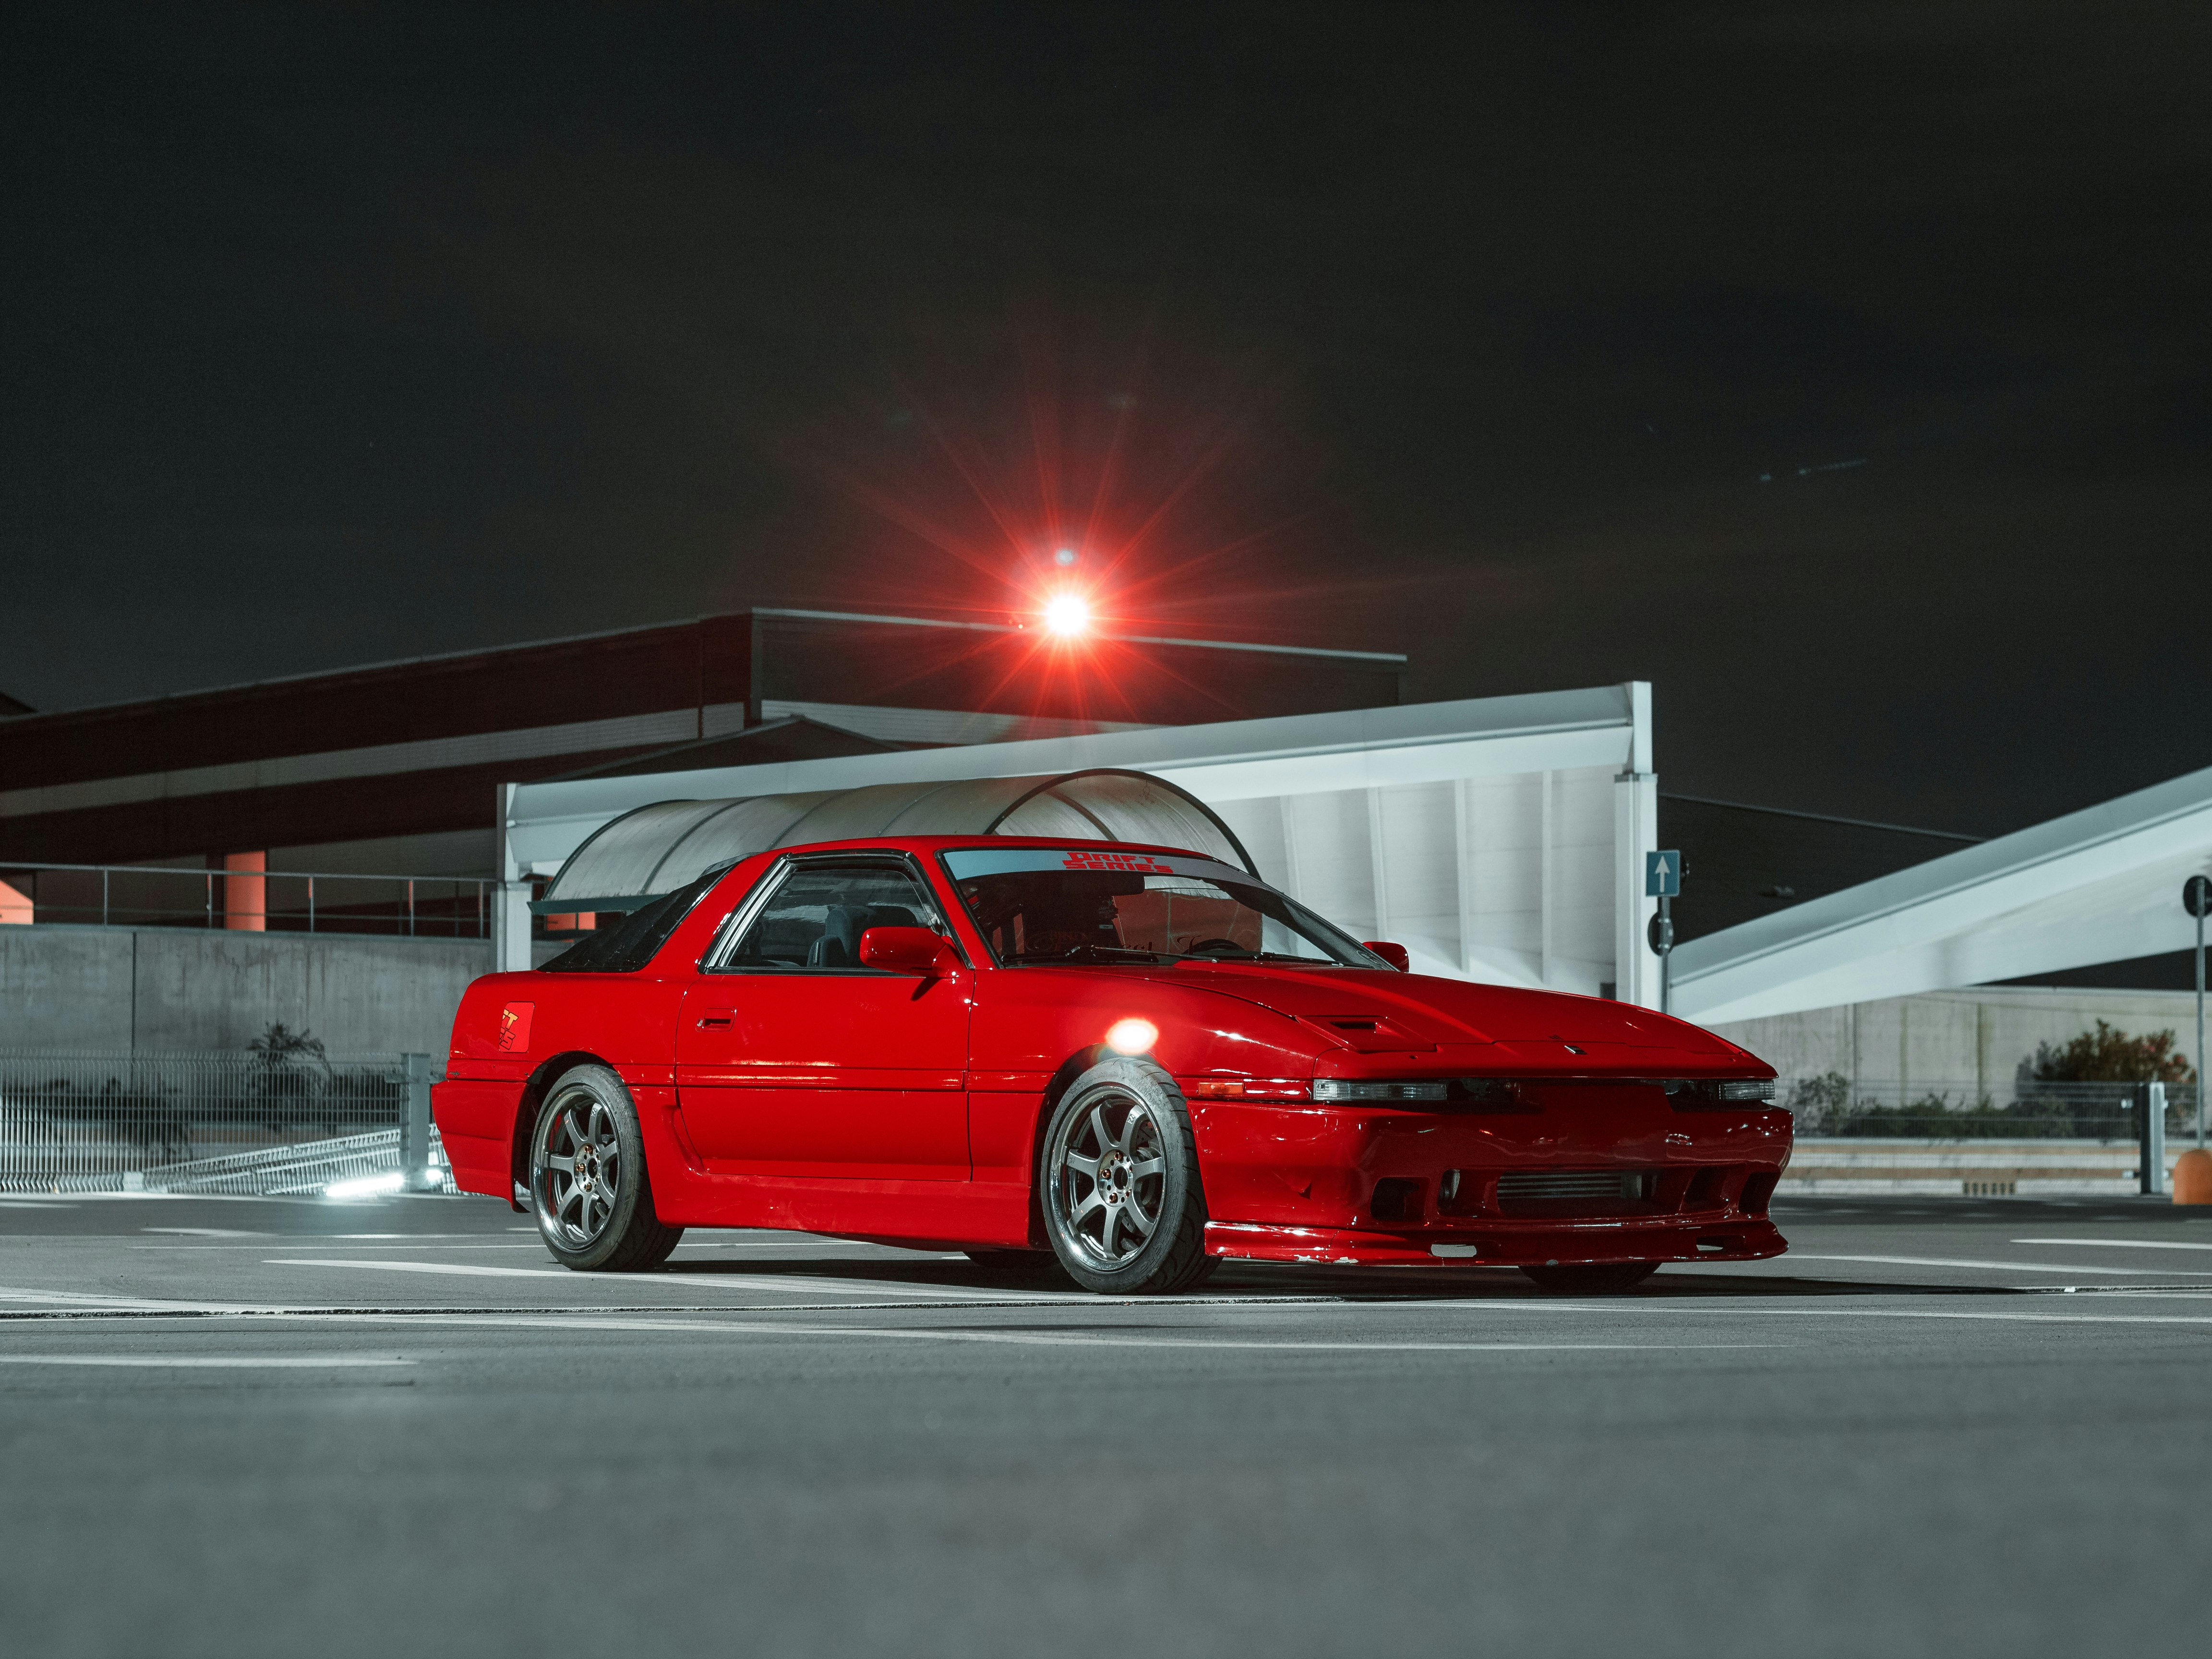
(1169, 913)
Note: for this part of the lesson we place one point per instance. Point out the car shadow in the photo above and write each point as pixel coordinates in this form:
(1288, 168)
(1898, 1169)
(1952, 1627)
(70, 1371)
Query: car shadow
(1259, 1281)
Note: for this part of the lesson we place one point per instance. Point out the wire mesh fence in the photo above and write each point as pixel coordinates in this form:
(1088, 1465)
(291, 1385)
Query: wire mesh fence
(2026, 1109)
(229, 1121)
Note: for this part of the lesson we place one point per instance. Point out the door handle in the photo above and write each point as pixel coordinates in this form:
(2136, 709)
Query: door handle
(714, 1022)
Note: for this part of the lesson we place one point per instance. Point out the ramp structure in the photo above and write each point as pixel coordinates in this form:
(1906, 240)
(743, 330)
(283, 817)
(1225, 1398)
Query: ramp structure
(2102, 885)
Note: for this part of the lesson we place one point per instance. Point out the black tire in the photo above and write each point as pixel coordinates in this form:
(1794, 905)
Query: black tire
(1118, 1181)
(590, 1220)
(1591, 1278)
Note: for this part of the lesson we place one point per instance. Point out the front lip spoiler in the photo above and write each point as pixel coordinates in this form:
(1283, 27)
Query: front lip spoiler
(1668, 1238)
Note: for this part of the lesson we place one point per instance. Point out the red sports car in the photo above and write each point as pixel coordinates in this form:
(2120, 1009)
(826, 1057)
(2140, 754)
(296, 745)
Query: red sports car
(1138, 1059)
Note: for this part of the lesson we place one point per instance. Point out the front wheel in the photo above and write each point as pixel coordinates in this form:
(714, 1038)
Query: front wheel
(1118, 1175)
(587, 1178)
(1591, 1278)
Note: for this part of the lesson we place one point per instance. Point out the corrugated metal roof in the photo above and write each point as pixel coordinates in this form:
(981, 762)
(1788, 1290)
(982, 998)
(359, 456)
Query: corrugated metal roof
(661, 847)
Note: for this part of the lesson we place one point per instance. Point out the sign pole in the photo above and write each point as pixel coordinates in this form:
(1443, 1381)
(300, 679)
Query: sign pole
(1662, 880)
(2197, 899)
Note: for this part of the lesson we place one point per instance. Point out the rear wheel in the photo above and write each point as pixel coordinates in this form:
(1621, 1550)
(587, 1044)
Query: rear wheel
(1591, 1278)
(1118, 1176)
(588, 1185)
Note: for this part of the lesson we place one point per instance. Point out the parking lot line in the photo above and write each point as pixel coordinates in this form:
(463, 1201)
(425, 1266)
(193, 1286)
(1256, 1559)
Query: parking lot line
(1998, 1266)
(87, 1299)
(208, 1362)
(718, 1281)
(2122, 1243)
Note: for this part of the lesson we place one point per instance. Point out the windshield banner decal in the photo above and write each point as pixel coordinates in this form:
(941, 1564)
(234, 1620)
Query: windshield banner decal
(1101, 859)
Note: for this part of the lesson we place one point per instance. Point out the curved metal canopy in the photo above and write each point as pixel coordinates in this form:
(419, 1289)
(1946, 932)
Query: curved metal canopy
(658, 848)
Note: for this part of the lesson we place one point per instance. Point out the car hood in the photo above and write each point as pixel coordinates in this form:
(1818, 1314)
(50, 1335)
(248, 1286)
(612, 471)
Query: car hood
(1435, 1011)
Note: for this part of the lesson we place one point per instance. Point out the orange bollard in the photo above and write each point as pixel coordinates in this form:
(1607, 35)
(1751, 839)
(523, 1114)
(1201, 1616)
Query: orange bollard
(2192, 1177)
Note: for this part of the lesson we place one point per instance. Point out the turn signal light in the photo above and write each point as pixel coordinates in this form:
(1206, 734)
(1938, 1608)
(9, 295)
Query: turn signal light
(1337, 1088)
(1760, 1088)
(1244, 1088)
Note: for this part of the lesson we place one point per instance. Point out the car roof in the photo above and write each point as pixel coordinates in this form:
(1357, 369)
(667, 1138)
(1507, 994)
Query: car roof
(949, 843)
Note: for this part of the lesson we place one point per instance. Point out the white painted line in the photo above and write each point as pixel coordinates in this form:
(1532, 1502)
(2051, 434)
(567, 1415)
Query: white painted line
(2120, 1243)
(1044, 1339)
(207, 1232)
(449, 1267)
(1768, 1310)
(204, 1361)
(261, 1242)
(32, 1204)
(714, 1282)
(1997, 1266)
(83, 1299)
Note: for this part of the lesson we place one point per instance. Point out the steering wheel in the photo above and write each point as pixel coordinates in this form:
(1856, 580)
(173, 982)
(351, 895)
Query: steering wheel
(1204, 946)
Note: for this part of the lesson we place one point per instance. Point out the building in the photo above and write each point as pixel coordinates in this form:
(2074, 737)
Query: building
(393, 769)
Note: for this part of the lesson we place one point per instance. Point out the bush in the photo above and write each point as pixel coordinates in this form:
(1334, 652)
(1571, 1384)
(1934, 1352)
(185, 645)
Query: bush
(2109, 1055)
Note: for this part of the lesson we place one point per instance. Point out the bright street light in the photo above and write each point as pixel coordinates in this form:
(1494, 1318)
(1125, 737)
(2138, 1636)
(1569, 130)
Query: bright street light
(1067, 614)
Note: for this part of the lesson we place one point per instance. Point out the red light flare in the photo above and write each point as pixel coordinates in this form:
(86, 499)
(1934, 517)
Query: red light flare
(1167, 481)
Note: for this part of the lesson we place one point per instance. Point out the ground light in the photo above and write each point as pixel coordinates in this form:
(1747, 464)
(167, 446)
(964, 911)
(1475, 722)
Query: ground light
(364, 1187)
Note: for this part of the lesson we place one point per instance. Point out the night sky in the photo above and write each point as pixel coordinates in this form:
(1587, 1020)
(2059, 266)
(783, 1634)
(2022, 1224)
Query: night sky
(1842, 369)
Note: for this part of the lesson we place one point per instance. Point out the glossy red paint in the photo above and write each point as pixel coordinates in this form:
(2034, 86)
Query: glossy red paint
(901, 1100)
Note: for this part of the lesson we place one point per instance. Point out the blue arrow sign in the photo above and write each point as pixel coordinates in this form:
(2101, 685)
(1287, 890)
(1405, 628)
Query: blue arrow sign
(1662, 874)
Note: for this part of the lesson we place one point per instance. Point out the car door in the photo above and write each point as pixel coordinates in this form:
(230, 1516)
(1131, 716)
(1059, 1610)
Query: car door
(793, 1060)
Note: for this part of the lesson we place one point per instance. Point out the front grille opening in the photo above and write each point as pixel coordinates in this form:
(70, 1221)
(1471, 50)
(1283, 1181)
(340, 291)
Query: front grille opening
(1713, 1244)
(1493, 1095)
(1397, 1200)
(1704, 1191)
(1577, 1191)
(1757, 1191)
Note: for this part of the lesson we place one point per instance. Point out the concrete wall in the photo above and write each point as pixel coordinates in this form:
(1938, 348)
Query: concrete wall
(1962, 1042)
(173, 987)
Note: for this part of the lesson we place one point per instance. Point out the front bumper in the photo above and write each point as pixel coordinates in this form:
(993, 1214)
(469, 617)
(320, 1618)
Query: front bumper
(1591, 1173)
(1671, 1238)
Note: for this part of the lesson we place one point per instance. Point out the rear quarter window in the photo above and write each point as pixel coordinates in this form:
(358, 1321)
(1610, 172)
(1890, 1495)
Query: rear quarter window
(636, 939)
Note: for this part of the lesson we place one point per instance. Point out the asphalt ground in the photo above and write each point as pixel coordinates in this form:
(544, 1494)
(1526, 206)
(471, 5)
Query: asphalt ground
(242, 1426)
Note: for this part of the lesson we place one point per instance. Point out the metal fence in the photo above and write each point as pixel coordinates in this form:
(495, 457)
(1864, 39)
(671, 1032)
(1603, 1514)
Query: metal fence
(2023, 1109)
(251, 1122)
(273, 900)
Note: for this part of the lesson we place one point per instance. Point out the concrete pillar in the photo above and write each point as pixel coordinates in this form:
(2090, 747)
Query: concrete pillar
(510, 897)
(245, 897)
(510, 927)
(415, 1125)
(1635, 833)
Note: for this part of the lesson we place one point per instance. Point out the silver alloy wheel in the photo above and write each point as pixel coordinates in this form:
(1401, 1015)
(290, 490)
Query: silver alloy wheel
(1110, 1179)
(579, 1168)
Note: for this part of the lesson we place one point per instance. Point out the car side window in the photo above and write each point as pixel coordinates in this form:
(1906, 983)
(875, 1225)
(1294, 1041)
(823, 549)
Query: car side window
(814, 917)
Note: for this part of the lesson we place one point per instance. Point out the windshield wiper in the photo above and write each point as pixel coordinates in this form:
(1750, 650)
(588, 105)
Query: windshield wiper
(1265, 956)
(1085, 952)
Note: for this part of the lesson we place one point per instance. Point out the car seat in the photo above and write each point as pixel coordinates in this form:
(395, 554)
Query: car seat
(840, 943)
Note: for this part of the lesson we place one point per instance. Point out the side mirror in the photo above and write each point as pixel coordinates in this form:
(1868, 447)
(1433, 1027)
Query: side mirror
(1394, 954)
(909, 951)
